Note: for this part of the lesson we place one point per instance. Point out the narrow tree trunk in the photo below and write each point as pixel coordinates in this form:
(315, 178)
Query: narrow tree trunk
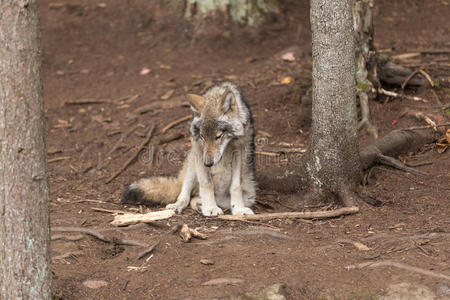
(212, 18)
(333, 160)
(24, 215)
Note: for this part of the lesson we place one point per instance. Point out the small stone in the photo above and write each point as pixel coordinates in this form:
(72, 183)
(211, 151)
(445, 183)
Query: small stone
(206, 262)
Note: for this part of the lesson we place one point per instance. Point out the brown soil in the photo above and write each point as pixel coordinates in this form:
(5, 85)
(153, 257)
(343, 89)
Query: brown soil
(94, 50)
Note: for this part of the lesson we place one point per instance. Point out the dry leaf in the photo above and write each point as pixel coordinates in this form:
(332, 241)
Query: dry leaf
(288, 56)
(361, 246)
(145, 71)
(165, 67)
(287, 80)
(167, 95)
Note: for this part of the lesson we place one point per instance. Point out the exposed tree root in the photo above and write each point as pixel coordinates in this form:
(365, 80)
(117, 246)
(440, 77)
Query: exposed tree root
(390, 263)
(365, 122)
(292, 178)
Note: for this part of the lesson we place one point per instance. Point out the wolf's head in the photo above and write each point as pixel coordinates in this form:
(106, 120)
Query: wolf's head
(216, 122)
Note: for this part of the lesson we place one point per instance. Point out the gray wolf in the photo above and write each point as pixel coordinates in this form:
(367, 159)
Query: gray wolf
(218, 172)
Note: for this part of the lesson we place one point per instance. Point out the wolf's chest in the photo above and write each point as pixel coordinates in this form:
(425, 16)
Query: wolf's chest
(221, 174)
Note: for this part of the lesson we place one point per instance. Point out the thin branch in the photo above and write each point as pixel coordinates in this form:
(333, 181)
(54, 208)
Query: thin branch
(293, 215)
(133, 157)
(397, 95)
(175, 123)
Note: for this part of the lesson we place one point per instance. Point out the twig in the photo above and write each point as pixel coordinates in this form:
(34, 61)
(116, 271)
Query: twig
(72, 254)
(149, 250)
(414, 73)
(394, 94)
(111, 211)
(57, 159)
(98, 235)
(170, 137)
(422, 116)
(293, 215)
(87, 101)
(122, 138)
(390, 263)
(133, 157)
(427, 127)
(428, 77)
(175, 123)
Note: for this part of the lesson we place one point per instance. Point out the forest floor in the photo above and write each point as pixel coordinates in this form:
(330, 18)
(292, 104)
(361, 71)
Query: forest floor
(123, 56)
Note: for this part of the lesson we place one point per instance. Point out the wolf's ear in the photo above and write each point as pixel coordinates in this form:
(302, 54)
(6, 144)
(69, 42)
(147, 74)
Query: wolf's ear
(196, 102)
(227, 102)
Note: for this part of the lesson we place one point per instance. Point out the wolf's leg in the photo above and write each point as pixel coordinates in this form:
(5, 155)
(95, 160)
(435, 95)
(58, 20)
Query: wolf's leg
(236, 189)
(189, 178)
(206, 191)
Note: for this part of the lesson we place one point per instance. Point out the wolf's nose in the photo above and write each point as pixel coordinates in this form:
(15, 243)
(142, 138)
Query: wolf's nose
(209, 164)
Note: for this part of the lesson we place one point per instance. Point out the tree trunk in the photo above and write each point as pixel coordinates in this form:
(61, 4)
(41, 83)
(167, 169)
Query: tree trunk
(333, 163)
(24, 214)
(219, 17)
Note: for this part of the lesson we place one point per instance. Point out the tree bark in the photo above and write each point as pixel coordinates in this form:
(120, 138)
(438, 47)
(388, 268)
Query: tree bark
(24, 214)
(222, 18)
(332, 162)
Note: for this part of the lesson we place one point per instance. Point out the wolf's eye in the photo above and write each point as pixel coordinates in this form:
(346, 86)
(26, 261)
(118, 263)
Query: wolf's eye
(219, 135)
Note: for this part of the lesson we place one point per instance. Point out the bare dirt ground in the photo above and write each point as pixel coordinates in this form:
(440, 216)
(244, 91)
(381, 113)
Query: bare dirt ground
(97, 50)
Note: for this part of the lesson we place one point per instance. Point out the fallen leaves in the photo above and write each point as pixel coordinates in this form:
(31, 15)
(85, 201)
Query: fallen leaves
(443, 142)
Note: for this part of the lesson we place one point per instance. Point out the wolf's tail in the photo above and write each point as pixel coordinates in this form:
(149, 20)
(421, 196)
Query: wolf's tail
(153, 190)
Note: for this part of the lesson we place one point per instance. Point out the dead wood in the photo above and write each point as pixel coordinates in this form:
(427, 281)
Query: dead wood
(390, 263)
(175, 123)
(120, 141)
(87, 101)
(133, 157)
(52, 160)
(131, 219)
(111, 211)
(187, 233)
(293, 215)
(149, 250)
(96, 234)
(170, 137)
(397, 95)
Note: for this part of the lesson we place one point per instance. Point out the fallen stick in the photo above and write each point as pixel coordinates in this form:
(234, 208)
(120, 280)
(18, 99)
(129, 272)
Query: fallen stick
(170, 137)
(427, 127)
(187, 233)
(175, 123)
(133, 157)
(293, 215)
(130, 218)
(119, 142)
(72, 254)
(87, 101)
(389, 263)
(397, 95)
(152, 247)
(52, 160)
(111, 211)
(99, 236)
(414, 73)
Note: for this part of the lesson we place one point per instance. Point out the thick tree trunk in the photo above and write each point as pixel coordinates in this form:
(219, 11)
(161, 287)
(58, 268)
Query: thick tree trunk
(24, 214)
(333, 161)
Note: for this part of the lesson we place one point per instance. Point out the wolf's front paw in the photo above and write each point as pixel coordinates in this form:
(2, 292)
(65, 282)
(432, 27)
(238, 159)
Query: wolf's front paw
(176, 207)
(242, 211)
(211, 211)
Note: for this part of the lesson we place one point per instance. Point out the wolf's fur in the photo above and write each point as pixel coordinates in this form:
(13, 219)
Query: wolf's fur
(218, 171)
